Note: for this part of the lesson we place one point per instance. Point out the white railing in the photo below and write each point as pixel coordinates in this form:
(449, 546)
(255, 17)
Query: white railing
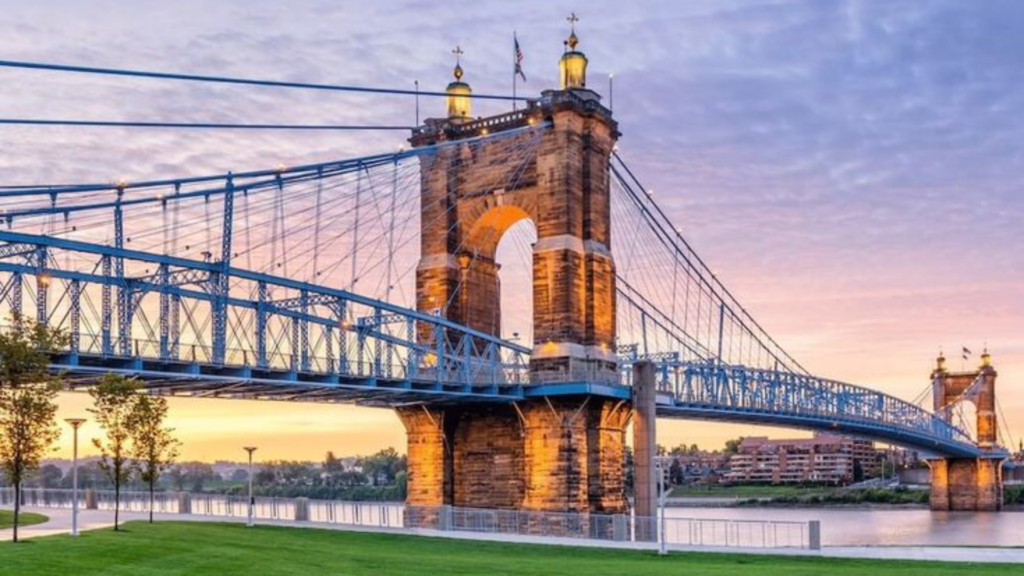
(739, 533)
(691, 532)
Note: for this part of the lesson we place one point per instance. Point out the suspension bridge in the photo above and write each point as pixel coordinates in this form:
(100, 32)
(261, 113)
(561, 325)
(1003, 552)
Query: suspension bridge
(375, 280)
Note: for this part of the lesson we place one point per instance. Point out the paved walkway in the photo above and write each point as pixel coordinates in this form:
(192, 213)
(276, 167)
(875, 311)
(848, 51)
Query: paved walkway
(60, 523)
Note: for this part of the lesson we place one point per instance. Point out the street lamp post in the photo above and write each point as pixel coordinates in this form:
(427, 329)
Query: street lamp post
(250, 450)
(75, 423)
(662, 543)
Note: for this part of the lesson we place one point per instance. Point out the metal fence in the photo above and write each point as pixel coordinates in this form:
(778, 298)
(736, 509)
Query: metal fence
(742, 533)
(694, 532)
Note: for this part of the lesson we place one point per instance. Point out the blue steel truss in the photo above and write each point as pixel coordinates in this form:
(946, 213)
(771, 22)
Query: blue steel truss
(385, 346)
(781, 398)
(209, 328)
(378, 360)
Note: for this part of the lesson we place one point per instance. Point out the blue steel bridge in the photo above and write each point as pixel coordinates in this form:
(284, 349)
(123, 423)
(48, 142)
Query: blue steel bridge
(298, 284)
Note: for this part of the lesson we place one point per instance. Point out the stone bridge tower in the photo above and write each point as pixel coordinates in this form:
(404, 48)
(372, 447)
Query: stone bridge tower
(967, 483)
(555, 176)
(552, 167)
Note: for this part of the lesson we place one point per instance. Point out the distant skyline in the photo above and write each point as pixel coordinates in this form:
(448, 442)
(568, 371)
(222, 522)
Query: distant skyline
(852, 170)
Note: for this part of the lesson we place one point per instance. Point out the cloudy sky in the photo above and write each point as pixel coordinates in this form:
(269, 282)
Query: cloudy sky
(854, 170)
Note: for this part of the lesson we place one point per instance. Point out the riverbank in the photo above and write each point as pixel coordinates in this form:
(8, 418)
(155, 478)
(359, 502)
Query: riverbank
(173, 548)
(769, 503)
(899, 498)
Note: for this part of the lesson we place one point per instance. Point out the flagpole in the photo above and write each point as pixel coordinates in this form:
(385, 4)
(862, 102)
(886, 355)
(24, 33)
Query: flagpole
(515, 64)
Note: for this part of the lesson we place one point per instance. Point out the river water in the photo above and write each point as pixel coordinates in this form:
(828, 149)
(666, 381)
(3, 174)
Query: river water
(839, 526)
(885, 527)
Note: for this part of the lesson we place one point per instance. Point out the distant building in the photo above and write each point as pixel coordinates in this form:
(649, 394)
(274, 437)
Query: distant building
(903, 458)
(825, 458)
(696, 467)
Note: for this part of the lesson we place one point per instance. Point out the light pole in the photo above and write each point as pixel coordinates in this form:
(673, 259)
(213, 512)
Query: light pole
(250, 450)
(662, 545)
(75, 423)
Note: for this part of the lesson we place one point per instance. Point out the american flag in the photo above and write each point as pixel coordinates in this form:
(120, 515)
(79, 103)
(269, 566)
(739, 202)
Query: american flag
(519, 58)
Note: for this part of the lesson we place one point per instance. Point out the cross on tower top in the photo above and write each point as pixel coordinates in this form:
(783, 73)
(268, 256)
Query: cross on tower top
(457, 72)
(572, 40)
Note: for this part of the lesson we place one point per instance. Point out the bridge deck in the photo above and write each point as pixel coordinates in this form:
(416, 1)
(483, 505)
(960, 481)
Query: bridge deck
(239, 382)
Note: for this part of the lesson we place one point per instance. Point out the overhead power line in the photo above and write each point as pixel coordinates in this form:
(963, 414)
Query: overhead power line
(198, 125)
(242, 81)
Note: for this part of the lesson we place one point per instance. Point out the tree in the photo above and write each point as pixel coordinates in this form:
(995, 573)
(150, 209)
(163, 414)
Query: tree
(28, 407)
(177, 477)
(351, 478)
(266, 475)
(114, 400)
(196, 474)
(154, 448)
(402, 482)
(733, 446)
(50, 476)
(295, 473)
(858, 471)
(240, 475)
(675, 472)
(383, 466)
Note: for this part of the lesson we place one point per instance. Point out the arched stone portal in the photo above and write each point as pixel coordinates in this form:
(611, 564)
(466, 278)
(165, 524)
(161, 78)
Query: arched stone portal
(557, 176)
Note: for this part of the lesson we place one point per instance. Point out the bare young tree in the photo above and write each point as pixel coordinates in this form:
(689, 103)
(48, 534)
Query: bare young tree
(154, 447)
(28, 407)
(114, 401)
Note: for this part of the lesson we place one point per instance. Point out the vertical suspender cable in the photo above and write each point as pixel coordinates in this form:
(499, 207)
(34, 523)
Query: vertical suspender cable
(391, 230)
(316, 230)
(281, 226)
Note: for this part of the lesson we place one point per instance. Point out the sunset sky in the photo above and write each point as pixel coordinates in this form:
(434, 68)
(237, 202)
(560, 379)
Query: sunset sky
(853, 170)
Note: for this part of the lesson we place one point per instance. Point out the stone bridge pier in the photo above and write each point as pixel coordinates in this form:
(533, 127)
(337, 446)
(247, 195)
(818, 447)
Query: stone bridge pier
(967, 484)
(545, 455)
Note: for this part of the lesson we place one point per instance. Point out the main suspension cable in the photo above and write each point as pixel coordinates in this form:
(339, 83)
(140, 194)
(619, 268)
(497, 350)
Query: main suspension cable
(192, 125)
(242, 81)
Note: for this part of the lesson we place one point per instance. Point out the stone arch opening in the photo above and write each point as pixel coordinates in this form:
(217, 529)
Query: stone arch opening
(477, 295)
(515, 276)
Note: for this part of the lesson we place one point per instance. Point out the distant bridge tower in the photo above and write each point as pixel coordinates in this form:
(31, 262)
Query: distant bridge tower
(967, 483)
(554, 454)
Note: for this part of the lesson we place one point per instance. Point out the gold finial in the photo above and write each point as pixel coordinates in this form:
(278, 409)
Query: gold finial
(940, 362)
(458, 91)
(458, 62)
(573, 40)
(573, 65)
(986, 358)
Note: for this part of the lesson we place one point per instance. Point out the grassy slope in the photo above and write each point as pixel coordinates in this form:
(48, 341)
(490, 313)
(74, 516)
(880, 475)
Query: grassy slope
(168, 548)
(27, 519)
(745, 491)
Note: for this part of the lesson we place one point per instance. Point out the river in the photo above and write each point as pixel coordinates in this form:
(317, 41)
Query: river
(885, 527)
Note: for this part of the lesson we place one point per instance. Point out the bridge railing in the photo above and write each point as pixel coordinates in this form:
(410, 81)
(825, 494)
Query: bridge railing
(503, 371)
(187, 313)
(745, 389)
(689, 532)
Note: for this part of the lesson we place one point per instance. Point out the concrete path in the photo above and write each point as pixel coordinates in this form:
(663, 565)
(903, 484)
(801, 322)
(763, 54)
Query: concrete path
(60, 523)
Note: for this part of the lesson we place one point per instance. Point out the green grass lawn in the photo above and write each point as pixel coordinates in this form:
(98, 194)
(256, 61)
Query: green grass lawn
(27, 519)
(179, 548)
(751, 491)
